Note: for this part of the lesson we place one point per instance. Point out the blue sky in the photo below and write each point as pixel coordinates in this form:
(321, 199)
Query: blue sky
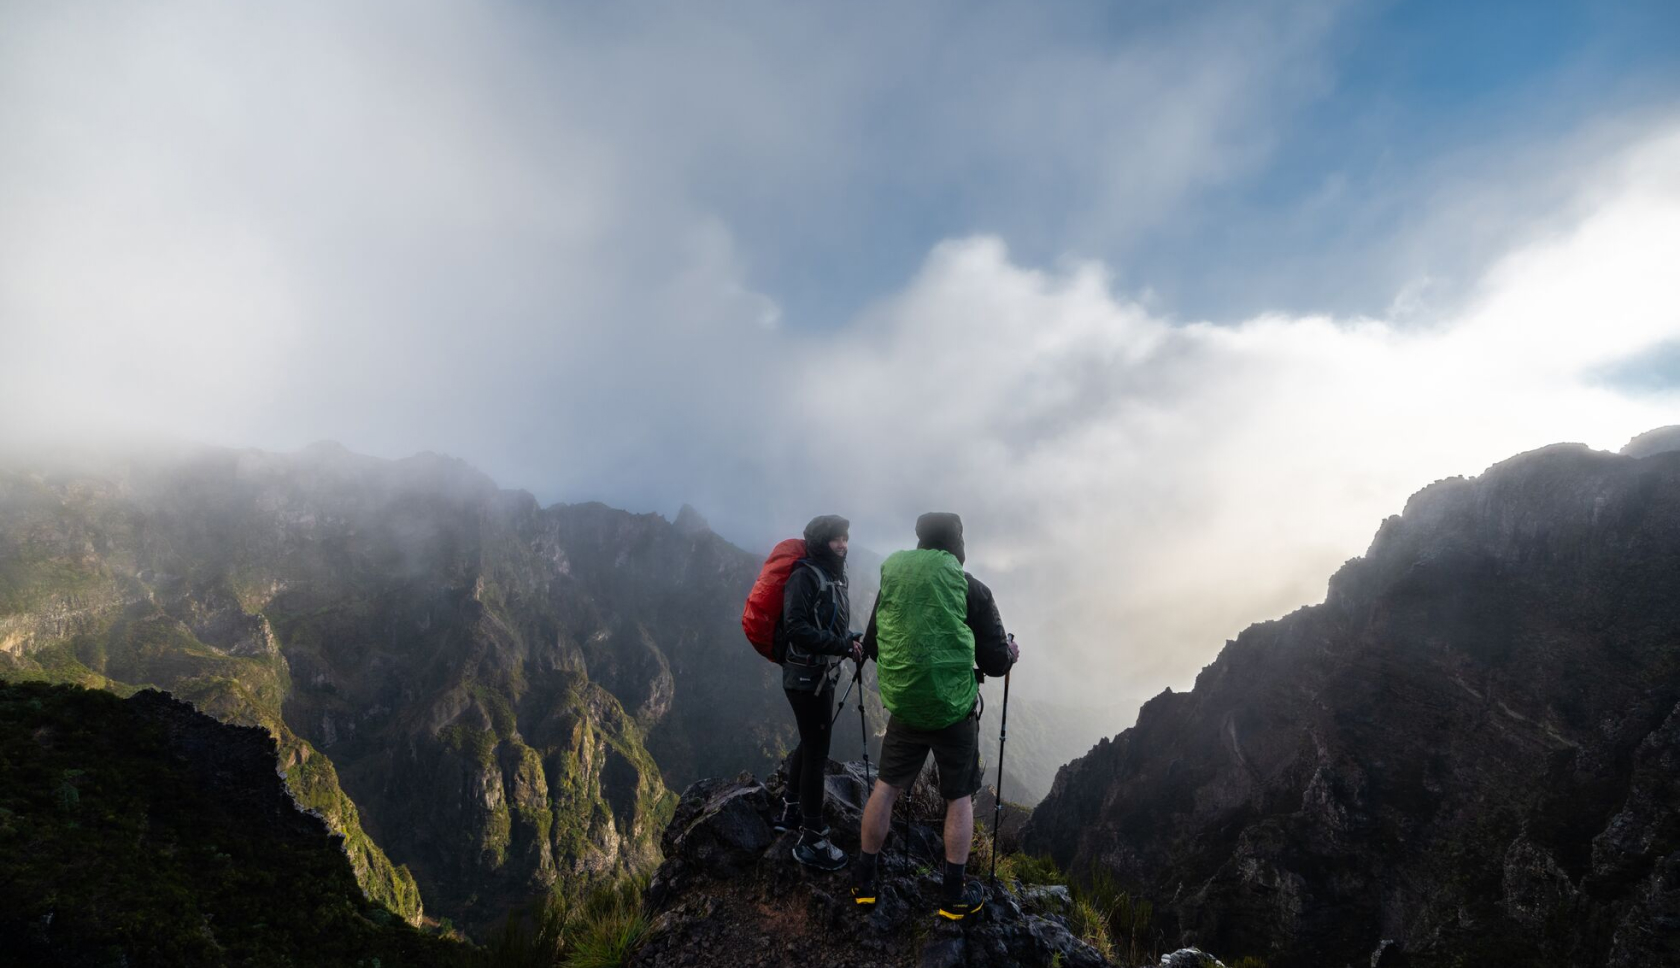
(1421, 95)
(1175, 302)
(1412, 97)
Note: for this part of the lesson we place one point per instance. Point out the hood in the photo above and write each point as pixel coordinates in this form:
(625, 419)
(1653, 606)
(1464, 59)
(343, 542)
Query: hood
(823, 529)
(941, 530)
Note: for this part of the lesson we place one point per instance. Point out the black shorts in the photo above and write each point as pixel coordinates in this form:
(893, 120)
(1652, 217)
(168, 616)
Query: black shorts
(956, 751)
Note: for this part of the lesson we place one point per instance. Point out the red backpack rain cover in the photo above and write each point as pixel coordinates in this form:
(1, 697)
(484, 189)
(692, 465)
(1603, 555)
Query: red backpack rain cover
(764, 603)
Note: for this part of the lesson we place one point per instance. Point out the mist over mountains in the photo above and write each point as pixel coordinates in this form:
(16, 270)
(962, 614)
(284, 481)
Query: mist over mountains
(1465, 751)
(486, 696)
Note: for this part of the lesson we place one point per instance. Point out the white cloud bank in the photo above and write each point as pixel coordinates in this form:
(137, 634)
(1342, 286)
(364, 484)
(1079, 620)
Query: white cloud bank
(1138, 490)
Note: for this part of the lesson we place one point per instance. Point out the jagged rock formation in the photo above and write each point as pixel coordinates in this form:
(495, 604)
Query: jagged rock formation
(730, 894)
(491, 682)
(1468, 754)
(141, 832)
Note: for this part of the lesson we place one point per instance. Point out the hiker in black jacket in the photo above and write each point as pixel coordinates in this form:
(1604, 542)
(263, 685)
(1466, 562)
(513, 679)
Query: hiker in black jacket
(815, 636)
(927, 644)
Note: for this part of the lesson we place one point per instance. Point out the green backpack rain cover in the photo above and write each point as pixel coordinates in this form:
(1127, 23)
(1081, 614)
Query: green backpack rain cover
(925, 648)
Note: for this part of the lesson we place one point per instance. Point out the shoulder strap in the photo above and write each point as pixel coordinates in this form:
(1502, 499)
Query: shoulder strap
(825, 586)
(822, 576)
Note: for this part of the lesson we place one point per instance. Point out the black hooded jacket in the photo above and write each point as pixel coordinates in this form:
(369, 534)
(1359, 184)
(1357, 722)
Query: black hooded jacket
(943, 531)
(815, 630)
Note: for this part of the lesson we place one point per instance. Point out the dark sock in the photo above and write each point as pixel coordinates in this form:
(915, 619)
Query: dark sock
(954, 880)
(863, 873)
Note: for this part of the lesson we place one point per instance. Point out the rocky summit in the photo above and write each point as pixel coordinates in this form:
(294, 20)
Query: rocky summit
(1468, 754)
(730, 894)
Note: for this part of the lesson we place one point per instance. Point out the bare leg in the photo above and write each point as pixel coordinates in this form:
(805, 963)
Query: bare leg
(877, 817)
(959, 829)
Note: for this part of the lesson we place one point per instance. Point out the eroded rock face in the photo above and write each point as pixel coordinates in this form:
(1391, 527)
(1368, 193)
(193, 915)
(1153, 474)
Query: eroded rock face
(1467, 751)
(729, 892)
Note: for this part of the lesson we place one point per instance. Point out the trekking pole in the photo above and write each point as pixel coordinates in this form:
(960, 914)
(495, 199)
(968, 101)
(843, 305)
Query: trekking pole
(841, 706)
(997, 807)
(904, 820)
(863, 728)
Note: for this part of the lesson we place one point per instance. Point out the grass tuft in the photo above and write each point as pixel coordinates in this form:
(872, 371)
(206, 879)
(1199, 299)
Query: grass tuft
(611, 925)
(601, 929)
(1115, 922)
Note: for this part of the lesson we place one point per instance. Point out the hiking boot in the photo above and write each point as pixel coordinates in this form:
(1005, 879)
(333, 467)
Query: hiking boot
(788, 819)
(973, 898)
(815, 850)
(863, 880)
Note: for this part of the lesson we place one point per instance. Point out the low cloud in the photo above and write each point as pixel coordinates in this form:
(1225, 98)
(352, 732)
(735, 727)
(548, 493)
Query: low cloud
(1138, 489)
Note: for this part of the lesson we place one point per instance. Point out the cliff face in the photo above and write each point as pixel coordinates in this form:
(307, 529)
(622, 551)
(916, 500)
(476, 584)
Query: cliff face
(1467, 752)
(483, 685)
(142, 832)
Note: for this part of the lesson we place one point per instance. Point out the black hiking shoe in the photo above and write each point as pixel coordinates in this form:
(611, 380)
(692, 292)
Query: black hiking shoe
(863, 878)
(814, 850)
(788, 819)
(863, 889)
(973, 899)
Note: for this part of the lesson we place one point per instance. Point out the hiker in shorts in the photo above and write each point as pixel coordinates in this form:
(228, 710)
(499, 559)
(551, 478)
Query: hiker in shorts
(814, 634)
(932, 624)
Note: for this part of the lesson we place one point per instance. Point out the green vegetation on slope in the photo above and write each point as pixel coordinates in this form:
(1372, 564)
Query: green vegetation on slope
(314, 783)
(143, 647)
(120, 851)
(29, 578)
(579, 796)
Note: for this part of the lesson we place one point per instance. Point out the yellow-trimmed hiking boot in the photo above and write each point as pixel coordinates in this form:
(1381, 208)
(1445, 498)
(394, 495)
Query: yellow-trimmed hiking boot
(972, 900)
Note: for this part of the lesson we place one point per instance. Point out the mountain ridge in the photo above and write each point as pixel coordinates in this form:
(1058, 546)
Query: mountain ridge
(413, 635)
(1450, 757)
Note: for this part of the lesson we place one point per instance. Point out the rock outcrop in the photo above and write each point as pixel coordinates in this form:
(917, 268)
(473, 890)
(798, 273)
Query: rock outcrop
(1466, 755)
(730, 894)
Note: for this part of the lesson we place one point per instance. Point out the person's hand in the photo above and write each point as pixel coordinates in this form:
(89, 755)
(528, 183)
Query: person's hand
(856, 651)
(1014, 650)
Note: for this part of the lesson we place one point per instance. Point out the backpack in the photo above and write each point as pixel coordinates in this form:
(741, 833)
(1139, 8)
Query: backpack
(763, 610)
(925, 661)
